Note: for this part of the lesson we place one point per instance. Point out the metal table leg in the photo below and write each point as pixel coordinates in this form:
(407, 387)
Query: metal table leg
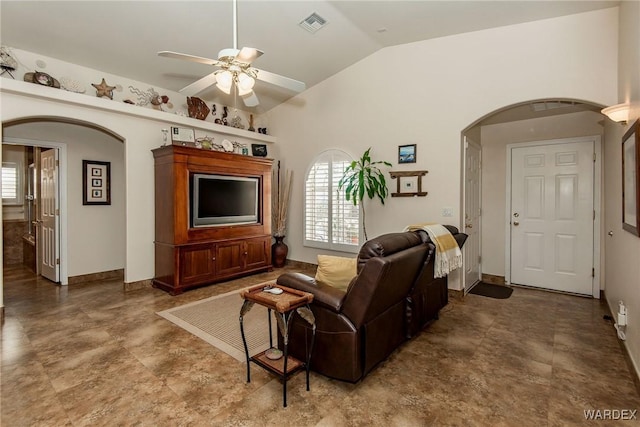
(244, 310)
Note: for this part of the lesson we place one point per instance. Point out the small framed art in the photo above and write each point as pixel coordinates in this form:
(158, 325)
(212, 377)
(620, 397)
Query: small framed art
(182, 135)
(631, 179)
(259, 150)
(96, 182)
(407, 153)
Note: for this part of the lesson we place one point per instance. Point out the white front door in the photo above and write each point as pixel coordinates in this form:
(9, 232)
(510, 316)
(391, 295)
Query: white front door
(552, 216)
(49, 208)
(472, 214)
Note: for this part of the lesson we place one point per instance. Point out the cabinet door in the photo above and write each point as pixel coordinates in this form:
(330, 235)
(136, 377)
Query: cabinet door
(197, 264)
(257, 252)
(230, 258)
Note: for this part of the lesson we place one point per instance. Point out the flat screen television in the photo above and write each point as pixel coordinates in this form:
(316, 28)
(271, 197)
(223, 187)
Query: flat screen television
(223, 200)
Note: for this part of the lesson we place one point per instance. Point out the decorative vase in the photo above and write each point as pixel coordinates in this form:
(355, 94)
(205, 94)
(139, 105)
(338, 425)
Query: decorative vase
(279, 252)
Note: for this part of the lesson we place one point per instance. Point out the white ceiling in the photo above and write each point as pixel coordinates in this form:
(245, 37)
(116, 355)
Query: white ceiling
(123, 37)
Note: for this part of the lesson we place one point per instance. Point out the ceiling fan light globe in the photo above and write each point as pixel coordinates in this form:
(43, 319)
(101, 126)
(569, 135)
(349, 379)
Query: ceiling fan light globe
(245, 82)
(224, 79)
(225, 89)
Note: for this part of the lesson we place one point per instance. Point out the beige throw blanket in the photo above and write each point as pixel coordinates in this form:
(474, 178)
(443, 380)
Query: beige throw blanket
(448, 254)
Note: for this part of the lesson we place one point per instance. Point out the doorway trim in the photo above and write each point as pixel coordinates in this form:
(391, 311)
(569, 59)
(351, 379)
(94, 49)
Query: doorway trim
(62, 193)
(467, 142)
(597, 204)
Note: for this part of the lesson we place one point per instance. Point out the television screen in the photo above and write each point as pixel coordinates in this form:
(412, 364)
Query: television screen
(223, 200)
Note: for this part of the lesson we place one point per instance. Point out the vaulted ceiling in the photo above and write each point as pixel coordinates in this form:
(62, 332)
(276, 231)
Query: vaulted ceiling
(123, 37)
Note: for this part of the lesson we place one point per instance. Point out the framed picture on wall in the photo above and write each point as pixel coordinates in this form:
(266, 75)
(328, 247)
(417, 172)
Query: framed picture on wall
(96, 182)
(631, 179)
(407, 153)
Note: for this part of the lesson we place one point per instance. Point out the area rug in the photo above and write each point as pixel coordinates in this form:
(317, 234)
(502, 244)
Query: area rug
(216, 321)
(491, 290)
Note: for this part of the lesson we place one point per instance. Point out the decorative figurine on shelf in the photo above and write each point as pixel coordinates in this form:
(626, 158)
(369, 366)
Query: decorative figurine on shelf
(43, 79)
(251, 128)
(197, 108)
(206, 143)
(213, 110)
(225, 113)
(151, 97)
(236, 122)
(262, 131)
(103, 89)
(7, 61)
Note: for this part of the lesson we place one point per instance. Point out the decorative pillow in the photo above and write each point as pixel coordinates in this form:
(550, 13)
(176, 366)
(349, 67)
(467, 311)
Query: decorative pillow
(336, 271)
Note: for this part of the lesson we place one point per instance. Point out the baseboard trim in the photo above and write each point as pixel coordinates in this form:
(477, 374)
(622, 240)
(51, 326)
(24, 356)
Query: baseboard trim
(92, 277)
(300, 264)
(456, 294)
(494, 280)
(140, 284)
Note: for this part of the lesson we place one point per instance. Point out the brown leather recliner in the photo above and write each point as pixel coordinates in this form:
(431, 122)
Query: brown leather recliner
(359, 328)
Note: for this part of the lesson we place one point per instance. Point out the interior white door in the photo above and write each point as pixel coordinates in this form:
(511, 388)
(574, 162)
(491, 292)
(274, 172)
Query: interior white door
(552, 214)
(472, 212)
(49, 225)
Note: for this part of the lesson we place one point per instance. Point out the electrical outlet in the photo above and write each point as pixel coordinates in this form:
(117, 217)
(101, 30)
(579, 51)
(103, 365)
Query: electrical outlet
(448, 212)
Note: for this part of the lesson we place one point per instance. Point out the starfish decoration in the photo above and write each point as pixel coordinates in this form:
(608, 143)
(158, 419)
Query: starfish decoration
(103, 89)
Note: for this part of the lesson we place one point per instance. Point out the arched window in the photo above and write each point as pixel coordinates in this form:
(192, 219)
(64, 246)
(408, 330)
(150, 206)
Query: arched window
(330, 221)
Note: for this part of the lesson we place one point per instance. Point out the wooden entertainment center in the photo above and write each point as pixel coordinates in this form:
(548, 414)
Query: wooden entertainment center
(188, 256)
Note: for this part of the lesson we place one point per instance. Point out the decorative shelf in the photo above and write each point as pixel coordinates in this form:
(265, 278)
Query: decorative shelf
(413, 181)
(59, 95)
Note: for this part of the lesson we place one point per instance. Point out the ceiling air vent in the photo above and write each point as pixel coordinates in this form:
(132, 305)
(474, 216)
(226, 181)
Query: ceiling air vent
(313, 23)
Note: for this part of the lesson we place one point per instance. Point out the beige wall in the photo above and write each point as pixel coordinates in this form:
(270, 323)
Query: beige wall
(622, 249)
(458, 80)
(494, 157)
(95, 234)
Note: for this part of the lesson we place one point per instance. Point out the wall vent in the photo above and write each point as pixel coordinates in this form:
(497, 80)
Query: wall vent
(313, 23)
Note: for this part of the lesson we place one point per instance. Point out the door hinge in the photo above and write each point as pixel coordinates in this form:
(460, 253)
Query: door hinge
(594, 157)
(57, 162)
(58, 212)
(479, 259)
(594, 215)
(593, 272)
(57, 261)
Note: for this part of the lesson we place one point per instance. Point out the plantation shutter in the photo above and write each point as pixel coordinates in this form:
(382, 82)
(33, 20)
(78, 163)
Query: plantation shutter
(10, 183)
(330, 221)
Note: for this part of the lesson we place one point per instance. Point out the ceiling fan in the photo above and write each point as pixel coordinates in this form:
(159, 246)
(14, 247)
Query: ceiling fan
(235, 72)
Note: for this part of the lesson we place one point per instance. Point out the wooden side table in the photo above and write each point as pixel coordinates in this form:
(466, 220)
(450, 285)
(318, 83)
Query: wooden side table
(285, 305)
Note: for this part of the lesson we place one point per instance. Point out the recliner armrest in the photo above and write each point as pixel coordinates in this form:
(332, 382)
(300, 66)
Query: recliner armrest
(323, 294)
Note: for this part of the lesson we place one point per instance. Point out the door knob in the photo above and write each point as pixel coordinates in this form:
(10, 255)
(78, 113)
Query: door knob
(516, 215)
(610, 233)
(516, 223)
(468, 225)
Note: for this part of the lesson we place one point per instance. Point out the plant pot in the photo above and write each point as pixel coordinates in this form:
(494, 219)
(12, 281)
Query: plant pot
(279, 251)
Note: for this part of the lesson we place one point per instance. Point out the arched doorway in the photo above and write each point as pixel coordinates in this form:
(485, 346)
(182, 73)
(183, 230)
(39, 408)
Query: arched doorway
(537, 120)
(91, 239)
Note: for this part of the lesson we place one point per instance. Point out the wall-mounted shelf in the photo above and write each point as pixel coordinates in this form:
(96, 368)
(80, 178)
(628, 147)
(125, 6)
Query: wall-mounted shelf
(411, 185)
(58, 95)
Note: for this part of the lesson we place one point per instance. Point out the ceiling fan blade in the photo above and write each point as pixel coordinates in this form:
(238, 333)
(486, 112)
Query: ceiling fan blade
(251, 100)
(199, 85)
(248, 54)
(177, 55)
(278, 80)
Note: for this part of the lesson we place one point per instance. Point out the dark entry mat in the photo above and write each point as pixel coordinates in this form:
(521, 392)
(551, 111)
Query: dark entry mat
(491, 291)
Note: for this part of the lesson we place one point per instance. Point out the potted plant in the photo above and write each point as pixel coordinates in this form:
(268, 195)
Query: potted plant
(279, 208)
(363, 177)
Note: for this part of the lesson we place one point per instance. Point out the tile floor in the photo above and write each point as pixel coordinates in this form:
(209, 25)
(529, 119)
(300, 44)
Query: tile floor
(92, 354)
